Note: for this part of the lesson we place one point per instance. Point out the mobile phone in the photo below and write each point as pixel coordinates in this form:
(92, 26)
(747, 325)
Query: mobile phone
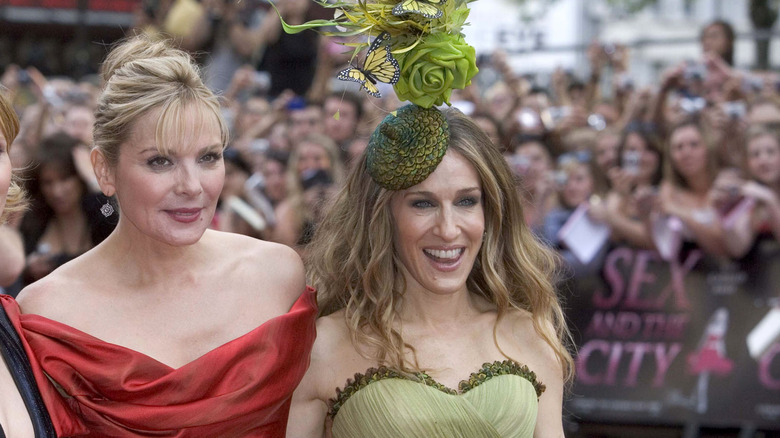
(734, 109)
(630, 162)
(597, 122)
(695, 72)
(23, 77)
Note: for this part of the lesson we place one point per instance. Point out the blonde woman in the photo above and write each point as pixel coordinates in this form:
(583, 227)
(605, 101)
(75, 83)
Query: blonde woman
(166, 327)
(439, 317)
(690, 168)
(22, 413)
(753, 204)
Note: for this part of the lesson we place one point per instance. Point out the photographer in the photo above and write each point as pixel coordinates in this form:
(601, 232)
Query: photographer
(532, 165)
(637, 175)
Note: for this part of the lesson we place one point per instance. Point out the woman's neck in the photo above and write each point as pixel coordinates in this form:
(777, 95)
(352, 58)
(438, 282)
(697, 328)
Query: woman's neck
(438, 311)
(146, 262)
(699, 184)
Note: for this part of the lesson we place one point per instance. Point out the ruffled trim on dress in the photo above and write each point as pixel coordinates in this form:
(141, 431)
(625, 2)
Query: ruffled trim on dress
(488, 371)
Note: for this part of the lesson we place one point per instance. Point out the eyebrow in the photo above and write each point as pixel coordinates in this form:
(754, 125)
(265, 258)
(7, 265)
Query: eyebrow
(201, 151)
(431, 194)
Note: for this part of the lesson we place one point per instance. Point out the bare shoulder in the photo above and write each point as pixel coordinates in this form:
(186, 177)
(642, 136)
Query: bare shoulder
(334, 357)
(57, 294)
(332, 336)
(254, 262)
(532, 349)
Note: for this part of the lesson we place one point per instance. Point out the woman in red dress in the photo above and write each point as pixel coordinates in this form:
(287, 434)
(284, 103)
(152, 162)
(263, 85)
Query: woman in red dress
(166, 328)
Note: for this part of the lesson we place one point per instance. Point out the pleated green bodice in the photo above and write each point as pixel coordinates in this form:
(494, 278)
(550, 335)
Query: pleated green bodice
(500, 400)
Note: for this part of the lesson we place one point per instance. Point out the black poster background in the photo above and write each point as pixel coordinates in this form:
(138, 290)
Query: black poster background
(665, 343)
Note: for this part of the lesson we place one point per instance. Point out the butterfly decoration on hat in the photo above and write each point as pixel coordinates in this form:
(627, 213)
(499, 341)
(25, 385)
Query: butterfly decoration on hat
(379, 66)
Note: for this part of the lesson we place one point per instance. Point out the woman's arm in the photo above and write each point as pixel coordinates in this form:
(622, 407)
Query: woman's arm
(549, 418)
(703, 223)
(308, 412)
(625, 228)
(770, 200)
(738, 237)
(14, 419)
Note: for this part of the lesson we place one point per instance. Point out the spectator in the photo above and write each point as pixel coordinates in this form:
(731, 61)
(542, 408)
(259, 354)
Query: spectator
(274, 170)
(637, 176)
(751, 206)
(235, 214)
(718, 38)
(355, 149)
(342, 129)
(304, 121)
(314, 167)
(78, 123)
(532, 164)
(689, 170)
(289, 59)
(605, 157)
(64, 219)
(492, 128)
(574, 187)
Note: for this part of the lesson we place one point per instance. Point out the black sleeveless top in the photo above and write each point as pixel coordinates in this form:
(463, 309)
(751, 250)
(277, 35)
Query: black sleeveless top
(16, 360)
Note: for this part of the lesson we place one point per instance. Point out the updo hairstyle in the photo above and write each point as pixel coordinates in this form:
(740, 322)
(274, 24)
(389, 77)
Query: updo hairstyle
(141, 74)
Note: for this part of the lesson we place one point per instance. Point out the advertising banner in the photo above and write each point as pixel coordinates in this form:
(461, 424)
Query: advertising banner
(666, 342)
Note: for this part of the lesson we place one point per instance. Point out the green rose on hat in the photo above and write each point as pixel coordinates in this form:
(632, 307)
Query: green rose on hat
(439, 63)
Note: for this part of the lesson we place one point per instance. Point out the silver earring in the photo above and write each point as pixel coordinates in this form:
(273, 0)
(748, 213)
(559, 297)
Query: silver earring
(107, 209)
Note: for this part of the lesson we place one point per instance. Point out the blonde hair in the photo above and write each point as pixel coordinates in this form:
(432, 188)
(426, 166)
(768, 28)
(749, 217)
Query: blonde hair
(140, 75)
(354, 266)
(9, 126)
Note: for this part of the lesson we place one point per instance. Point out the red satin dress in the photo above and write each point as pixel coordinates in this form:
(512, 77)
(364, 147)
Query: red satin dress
(240, 389)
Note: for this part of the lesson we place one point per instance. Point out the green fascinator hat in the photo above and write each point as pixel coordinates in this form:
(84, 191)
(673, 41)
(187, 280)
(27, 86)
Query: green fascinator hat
(416, 46)
(406, 147)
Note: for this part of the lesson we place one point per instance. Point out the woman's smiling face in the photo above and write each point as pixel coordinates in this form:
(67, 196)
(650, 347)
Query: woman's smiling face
(439, 225)
(170, 194)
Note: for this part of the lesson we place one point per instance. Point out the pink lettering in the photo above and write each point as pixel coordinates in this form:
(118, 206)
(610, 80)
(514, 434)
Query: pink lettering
(639, 276)
(584, 355)
(614, 279)
(664, 359)
(677, 285)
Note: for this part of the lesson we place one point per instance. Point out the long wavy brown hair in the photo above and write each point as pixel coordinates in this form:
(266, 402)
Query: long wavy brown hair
(354, 265)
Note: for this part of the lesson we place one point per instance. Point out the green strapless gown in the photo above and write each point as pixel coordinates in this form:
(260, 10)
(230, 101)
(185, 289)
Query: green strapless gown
(500, 400)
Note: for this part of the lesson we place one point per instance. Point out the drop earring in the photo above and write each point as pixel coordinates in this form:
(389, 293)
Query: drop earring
(107, 209)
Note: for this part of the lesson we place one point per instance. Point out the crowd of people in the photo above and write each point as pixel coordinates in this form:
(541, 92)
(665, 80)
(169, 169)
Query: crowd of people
(683, 153)
(691, 160)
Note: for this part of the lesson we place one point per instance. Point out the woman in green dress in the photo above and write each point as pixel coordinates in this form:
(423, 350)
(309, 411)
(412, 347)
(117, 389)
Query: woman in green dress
(438, 313)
